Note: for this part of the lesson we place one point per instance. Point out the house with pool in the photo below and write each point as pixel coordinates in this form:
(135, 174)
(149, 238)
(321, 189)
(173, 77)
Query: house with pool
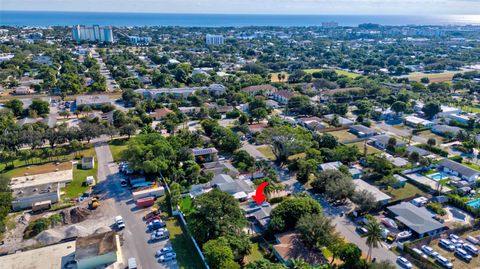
(459, 170)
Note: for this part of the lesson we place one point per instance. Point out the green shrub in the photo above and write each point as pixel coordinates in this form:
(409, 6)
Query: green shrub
(437, 208)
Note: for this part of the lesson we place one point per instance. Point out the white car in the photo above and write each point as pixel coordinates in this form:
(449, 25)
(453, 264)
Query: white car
(420, 253)
(163, 251)
(444, 262)
(471, 249)
(168, 257)
(429, 251)
(119, 222)
(404, 262)
(462, 254)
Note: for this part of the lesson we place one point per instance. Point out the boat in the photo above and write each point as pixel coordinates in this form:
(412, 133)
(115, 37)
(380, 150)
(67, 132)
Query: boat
(404, 235)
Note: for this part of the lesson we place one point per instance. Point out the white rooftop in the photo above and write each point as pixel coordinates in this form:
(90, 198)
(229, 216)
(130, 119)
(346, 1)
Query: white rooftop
(62, 176)
(379, 195)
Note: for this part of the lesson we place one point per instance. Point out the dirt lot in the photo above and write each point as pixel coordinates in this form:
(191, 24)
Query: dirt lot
(457, 262)
(41, 169)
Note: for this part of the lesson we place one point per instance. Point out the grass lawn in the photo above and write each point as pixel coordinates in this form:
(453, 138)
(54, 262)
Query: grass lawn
(255, 255)
(408, 191)
(370, 149)
(434, 77)
(186, 205)
(187, 255)
(38, 169)
(117, 146)
(339, 72)
(297, 156)
(429, 134)
(343, 135)
(471, 109)
(267, 151)
(472, 165)
(76, 187)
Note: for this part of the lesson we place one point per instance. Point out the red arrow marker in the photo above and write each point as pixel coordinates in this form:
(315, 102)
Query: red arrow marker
(259, 197)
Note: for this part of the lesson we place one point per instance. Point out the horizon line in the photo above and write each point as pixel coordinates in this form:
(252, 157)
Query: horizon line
(255, 14)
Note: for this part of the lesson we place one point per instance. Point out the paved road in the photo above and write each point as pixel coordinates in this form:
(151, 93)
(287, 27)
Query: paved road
(135, 236)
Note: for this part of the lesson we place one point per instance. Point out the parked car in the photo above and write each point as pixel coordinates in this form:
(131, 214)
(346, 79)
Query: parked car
(446, 244)
(168, 257)
(163, 251)
(471, 249)
(462, 254)
(457, 243)
(420, 253)
(156, 224)
(473, 240)
(119, 222)
(429, 251)
(158, 236)
(454, 237)
(361, 230)
(404, 262)
(444, 262)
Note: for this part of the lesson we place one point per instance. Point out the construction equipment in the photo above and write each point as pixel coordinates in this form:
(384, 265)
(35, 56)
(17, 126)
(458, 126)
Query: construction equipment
(94, 203)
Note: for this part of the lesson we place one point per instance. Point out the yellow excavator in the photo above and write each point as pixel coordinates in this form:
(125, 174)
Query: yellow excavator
(94, 203)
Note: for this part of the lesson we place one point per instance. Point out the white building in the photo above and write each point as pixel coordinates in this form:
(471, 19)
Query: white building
(416, 121)
(214, 39)
(92, 33)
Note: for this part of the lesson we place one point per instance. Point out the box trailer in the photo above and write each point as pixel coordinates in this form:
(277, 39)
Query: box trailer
(153, 192)
(145, 202)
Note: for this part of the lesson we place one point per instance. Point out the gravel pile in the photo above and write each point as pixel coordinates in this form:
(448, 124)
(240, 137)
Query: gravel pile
(49, 237)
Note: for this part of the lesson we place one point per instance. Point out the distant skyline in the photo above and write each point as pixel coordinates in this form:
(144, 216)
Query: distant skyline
(320, 7)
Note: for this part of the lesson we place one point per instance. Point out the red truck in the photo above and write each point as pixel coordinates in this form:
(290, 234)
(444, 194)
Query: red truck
(145, 202)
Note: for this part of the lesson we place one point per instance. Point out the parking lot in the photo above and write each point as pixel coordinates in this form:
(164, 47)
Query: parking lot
(452, 257)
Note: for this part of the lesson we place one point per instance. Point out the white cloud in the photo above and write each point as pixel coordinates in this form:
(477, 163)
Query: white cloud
(378, 7)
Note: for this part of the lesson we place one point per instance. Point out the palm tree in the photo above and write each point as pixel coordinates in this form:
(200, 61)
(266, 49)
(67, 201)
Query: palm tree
(374, 237)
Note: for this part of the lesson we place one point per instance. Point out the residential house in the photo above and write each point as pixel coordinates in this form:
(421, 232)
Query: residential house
(97, 250)
(282, 96)
(220, 167)
(330, 166)
(445, 130)
(290, 246)
(448, 110)
(401, 181)
(362, 131)
(160, 113)
(23, 90)
(312, 123)
(461, 118)
(343, 121)
(265, 90)
(381, 141)
(257, 127)
(421, 152)
(258, 215)
(459, 170)
(418, 219)
(380, 197)
(92, 100)
(414, 121)
(205, 155)
(240, 189)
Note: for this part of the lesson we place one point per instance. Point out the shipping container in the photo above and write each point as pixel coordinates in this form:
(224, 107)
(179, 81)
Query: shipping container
(154, 192)
(144, 202)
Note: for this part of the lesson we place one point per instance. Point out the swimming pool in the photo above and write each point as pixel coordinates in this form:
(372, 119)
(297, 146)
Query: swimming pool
(474, 203)
(438, 176)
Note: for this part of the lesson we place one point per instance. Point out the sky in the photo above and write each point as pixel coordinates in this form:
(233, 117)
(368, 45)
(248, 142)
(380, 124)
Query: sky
(334, 7)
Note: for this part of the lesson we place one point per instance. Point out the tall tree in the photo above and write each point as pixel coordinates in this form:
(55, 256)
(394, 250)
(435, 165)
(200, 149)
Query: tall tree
(373, 236)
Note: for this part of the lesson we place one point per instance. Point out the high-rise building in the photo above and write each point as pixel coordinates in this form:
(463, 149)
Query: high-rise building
(214, 39)
(92, 33)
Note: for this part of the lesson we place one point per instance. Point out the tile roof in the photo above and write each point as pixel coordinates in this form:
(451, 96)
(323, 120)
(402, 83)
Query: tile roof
(292, 247)
(255, 88)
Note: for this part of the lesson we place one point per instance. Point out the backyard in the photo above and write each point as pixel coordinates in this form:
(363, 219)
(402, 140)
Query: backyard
(187, 255)
(408, 191)
(343, 135)
(361, 144)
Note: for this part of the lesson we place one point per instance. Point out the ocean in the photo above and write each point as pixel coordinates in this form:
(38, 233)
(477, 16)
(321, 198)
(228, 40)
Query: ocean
(48, 18)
